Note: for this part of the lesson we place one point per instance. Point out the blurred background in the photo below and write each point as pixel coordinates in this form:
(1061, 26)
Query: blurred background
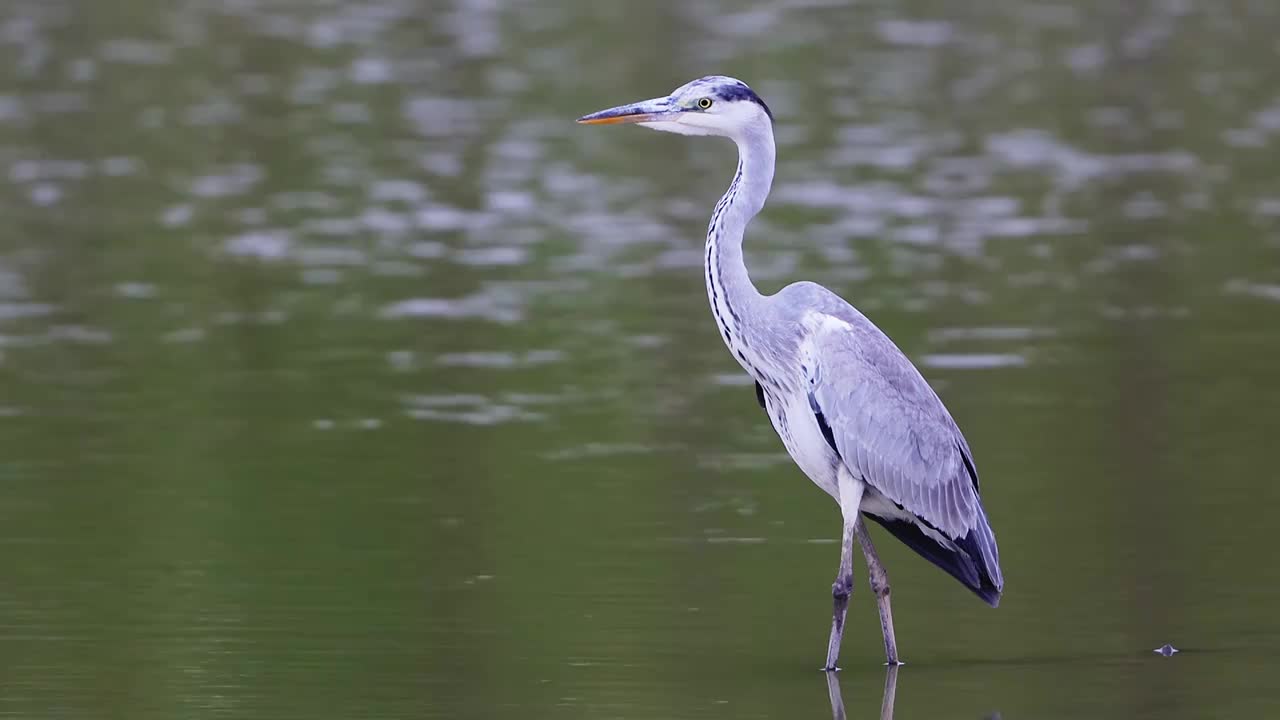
(342, 375)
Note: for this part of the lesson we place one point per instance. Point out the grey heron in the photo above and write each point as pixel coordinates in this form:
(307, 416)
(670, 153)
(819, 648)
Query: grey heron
(853, 412)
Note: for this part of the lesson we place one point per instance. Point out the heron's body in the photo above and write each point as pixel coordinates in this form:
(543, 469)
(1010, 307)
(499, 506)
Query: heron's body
(852, 411)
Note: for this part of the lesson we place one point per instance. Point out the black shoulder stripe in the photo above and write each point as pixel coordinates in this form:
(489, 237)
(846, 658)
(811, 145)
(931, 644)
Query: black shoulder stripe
(759, 394)
(822, 424)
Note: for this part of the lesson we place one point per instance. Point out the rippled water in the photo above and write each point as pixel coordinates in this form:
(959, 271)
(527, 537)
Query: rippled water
(341, 374)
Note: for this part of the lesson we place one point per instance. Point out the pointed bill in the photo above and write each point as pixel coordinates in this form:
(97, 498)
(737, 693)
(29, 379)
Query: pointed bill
(654, 110)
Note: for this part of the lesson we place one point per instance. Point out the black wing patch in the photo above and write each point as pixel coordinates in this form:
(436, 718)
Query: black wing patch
(961, 562)
(760, 394)
(822, 424)
(968, 465)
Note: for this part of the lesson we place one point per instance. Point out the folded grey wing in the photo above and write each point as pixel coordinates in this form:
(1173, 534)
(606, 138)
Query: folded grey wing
(890, 428)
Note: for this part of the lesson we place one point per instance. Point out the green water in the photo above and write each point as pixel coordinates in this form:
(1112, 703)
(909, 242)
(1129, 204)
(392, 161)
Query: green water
(342, 375)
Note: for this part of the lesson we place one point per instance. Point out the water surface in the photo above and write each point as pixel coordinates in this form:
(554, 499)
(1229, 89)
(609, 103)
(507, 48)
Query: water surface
(341, 374)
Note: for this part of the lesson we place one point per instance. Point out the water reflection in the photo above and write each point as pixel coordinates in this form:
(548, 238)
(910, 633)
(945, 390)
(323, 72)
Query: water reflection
(833, 694)
(886, 701)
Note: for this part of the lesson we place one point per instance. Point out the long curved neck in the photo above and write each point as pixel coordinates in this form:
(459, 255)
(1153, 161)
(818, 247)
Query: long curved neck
(729, 287)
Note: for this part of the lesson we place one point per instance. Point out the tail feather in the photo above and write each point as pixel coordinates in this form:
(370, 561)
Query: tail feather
(974, 559)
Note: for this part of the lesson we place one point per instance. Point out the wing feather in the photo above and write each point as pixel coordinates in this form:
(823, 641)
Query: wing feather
(890, 427)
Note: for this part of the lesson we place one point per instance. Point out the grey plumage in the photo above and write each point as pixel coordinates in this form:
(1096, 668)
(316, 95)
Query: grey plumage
(851, 409)
(890, 428)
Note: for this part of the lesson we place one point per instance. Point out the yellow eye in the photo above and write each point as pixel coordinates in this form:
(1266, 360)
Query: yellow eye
(704, 103)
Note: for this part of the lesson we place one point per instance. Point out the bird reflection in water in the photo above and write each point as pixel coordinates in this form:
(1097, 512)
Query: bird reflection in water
(886, 702)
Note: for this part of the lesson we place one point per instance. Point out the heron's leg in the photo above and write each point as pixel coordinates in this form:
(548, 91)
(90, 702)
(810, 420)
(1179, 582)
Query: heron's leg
(840, 591)
(849, 493)
(879, 588)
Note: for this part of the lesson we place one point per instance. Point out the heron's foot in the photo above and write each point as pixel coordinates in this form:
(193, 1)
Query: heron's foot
(830, 669)
(895, 663)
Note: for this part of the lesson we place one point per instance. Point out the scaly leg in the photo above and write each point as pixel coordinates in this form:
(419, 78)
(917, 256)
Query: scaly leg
(879, 588)
(850, 497)
(840, 591)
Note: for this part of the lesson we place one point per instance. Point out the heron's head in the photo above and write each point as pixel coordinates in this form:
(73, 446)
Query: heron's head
(713, 105)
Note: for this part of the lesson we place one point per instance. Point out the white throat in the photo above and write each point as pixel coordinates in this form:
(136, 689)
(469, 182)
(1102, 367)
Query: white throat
(729, 287)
